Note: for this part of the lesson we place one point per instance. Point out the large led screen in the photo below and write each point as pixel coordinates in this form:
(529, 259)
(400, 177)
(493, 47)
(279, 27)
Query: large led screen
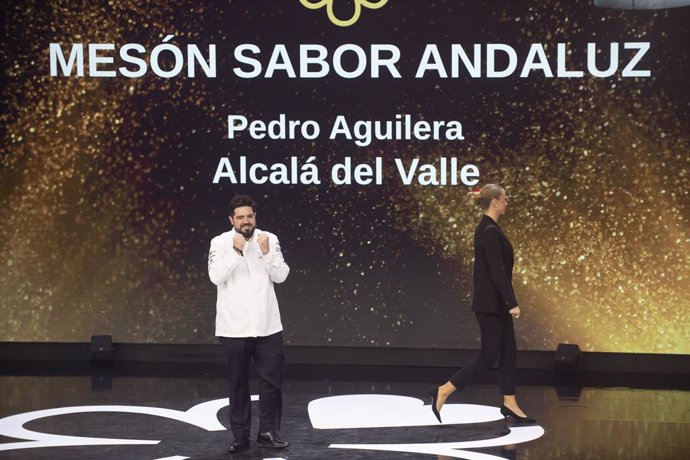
(359, 127)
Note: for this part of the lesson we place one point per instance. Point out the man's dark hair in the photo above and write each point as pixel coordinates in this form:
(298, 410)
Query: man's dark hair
(239, 201)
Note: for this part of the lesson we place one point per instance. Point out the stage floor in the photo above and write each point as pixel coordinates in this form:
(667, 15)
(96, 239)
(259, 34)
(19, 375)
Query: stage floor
(184, 417)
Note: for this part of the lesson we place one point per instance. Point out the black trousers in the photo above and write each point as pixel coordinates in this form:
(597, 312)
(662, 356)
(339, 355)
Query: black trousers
(498, 344)
(268, 356)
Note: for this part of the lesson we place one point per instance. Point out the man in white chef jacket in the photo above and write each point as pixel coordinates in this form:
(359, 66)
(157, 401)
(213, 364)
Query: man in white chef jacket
(244, 263)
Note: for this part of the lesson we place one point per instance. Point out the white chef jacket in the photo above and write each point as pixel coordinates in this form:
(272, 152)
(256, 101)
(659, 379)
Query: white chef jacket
(246, 305)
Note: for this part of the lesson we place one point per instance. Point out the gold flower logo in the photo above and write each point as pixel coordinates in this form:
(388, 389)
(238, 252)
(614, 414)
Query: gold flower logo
(316, 4)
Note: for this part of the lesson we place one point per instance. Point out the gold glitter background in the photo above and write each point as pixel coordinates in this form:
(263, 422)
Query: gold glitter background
(108, 208)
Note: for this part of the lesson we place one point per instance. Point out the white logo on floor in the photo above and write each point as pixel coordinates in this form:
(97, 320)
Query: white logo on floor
(335, 412)
(384, 411)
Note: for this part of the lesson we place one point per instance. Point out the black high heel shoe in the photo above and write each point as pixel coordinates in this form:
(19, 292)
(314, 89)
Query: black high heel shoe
(509, 413)
(433, 392)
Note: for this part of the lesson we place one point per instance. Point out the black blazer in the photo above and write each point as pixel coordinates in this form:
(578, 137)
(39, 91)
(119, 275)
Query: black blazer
(493, 269)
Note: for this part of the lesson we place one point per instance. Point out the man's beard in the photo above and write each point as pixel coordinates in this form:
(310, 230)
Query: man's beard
(246, 231)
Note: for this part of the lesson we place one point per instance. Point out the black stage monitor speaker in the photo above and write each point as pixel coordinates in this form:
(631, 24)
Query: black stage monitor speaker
(568, 356)
(101, 347)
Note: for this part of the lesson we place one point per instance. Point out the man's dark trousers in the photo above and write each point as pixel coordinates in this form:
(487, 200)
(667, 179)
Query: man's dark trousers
(269, 358)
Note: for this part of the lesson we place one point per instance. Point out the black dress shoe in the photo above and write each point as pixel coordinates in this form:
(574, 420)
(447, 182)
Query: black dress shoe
(433, 392)
(238, 446)
(271, 439)
(509, 413)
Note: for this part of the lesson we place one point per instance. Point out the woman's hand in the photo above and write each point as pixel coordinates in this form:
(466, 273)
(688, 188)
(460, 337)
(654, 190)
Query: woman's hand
(515, 312)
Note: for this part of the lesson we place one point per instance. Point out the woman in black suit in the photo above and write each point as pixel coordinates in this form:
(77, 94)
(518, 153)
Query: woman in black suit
(494, 305)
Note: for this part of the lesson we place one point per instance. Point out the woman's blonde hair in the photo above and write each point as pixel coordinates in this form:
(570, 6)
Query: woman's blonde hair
(483, 196)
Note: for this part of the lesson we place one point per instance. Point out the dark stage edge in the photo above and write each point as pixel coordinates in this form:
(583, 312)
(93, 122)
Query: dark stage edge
(580, 421)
